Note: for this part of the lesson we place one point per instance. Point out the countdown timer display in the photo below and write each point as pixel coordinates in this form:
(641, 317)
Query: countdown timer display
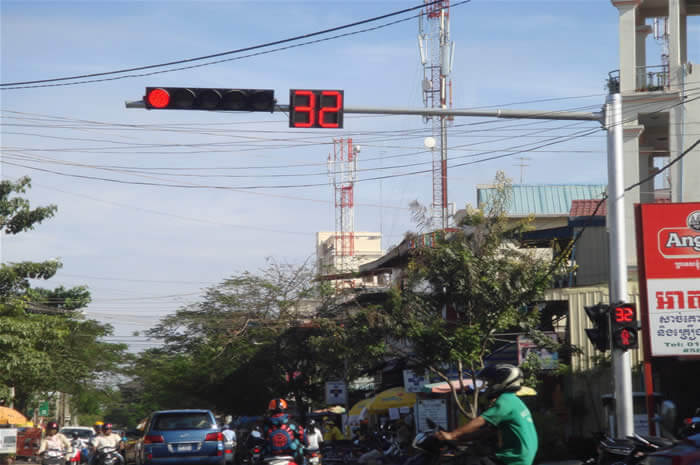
(315, 108)
(625, 314)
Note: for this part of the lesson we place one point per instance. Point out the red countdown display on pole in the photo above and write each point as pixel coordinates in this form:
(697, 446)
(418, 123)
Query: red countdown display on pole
(315, 108)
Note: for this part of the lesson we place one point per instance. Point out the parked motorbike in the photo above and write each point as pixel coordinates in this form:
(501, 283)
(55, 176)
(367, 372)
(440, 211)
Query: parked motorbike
(691, 425)
(386, 450)
(685, 452)
(638, 449)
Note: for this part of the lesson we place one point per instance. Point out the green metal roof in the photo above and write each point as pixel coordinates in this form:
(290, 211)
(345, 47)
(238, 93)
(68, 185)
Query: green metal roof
(544, 199)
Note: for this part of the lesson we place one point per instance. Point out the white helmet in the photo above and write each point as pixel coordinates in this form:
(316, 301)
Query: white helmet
(501, 378)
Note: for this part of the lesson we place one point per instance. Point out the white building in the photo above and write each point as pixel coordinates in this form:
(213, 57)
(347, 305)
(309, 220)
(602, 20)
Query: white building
(661, 109)
(367, 246)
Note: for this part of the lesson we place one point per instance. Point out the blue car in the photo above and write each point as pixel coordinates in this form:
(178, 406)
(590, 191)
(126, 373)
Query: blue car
(181, 437)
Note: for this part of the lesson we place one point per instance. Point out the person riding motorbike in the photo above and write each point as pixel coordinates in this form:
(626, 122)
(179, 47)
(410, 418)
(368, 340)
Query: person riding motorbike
(507, 413)
(283, 437)
(108, 439)
(229, 442)
(53, 440)
(314, 436)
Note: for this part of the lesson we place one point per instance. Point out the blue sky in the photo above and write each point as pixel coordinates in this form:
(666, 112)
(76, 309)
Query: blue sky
(144, 250)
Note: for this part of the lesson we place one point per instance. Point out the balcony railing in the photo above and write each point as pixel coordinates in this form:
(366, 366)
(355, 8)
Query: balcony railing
(648, 78)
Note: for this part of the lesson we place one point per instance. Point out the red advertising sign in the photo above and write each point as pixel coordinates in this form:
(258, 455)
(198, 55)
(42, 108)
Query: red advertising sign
(668, 256)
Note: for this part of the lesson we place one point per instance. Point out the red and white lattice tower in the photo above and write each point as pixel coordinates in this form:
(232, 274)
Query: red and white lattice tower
(342, 168)
(436, 54)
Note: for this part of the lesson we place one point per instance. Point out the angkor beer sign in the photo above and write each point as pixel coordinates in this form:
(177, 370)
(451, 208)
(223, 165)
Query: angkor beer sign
(668, 255)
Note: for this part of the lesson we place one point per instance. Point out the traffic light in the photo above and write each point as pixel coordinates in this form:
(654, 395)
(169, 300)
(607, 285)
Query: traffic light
(624, 326)
(195, 98)
(599, 335)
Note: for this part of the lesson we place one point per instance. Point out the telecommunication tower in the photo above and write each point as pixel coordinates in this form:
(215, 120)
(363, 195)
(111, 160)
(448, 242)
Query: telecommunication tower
(436, 56)
(342, 167)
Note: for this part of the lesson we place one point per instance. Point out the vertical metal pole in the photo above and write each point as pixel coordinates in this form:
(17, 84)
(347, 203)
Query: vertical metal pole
(622, 373)
(444, 70)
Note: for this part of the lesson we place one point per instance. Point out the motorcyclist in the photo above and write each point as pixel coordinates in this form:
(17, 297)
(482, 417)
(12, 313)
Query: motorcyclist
(229, 434)
(314, 436)
(53, 440)
(282, 436)
(108, 439)
(229, 439)
(507, 413)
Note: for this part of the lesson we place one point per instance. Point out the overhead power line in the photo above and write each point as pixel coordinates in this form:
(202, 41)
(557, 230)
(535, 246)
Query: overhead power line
(30, 84)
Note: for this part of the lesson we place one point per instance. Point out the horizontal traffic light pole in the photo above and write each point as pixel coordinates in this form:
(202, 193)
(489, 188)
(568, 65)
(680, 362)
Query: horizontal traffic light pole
(520, 114)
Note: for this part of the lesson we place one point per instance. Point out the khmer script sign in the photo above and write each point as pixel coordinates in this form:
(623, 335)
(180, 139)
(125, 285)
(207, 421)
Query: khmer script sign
(668, 251)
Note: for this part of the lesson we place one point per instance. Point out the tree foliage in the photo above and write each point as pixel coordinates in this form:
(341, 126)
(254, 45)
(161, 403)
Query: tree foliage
(482, 278)
(252, 337)
(45, 342)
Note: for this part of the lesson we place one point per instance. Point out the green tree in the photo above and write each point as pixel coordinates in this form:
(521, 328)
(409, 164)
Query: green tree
(252, 337)
(479, 272)
(45, 342)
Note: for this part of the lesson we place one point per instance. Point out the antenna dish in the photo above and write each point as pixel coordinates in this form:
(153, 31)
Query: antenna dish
(429, 142)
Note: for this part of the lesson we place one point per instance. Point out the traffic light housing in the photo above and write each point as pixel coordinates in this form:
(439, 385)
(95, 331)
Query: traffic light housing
(599, 335)
(213, 99)
(624, 325)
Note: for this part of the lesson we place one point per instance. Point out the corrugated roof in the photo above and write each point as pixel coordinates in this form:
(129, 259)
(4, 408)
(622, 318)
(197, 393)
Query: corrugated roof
(544, 199)
(587, 207)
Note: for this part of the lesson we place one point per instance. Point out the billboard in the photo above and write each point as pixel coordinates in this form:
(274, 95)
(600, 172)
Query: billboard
(526, 346)
(336, 393)
(668, 255)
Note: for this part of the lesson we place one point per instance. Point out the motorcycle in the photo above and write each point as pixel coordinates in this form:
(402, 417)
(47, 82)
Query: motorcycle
(280, 460)
(108, 456)
(250, 451)
(313, 457)
(691, 425)
(53, 457)
(431, 450)
(630, 451)
(637, 449)
(81, 450)
(229, 451)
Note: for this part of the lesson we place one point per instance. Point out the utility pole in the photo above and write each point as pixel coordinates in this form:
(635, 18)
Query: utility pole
(622, 372)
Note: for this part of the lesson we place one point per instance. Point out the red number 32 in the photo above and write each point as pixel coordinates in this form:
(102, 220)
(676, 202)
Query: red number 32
(315, 108)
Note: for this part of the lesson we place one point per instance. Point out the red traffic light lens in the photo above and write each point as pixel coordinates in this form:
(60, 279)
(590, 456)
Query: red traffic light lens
(158, 98)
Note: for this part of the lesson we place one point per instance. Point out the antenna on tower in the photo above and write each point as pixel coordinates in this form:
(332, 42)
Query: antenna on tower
(437, 56)
(522, 166)
(342, 169)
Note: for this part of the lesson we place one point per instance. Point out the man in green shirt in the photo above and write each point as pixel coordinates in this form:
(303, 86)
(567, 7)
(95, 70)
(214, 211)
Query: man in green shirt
(507, 413)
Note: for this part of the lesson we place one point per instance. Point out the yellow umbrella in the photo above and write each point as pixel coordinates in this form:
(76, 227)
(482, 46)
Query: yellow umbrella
(9, 416)
(357, 408)
(392, 398)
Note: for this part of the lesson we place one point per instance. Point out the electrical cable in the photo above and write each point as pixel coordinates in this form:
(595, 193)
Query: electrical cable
(23, 84)
(308, 185)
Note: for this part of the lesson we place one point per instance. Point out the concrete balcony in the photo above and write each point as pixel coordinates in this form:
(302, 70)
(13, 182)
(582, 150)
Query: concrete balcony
(648, 79)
